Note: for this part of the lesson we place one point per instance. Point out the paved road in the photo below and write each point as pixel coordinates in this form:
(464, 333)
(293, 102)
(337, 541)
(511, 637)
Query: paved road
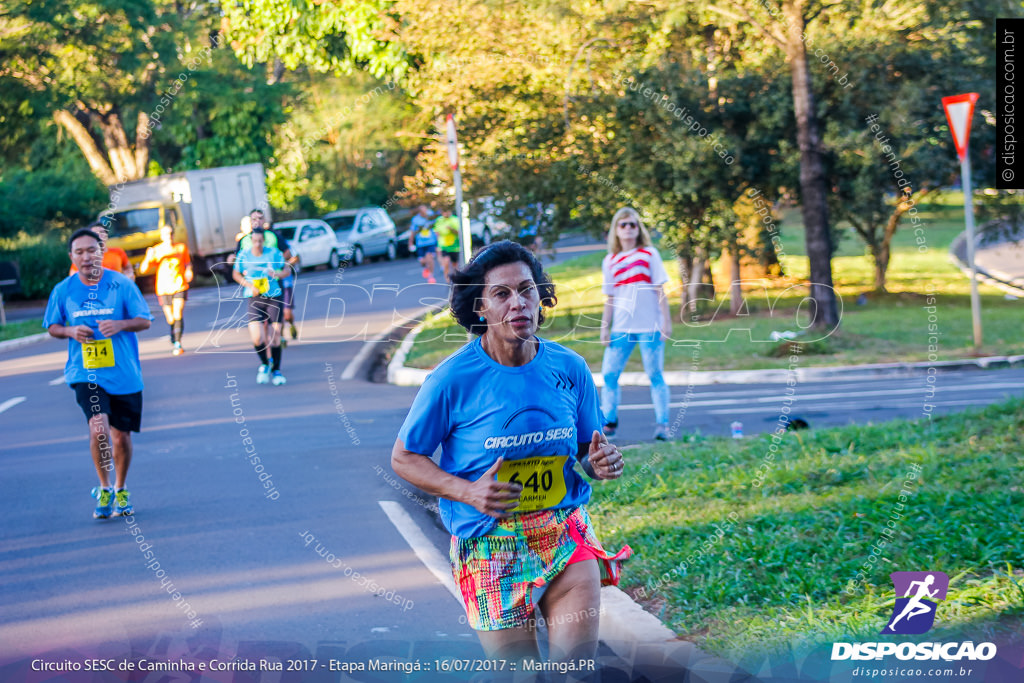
(710, 410)
(244, 557)
(1004, 260)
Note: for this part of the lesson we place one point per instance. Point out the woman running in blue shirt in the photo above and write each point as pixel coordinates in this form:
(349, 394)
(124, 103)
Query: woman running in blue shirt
(514, 415)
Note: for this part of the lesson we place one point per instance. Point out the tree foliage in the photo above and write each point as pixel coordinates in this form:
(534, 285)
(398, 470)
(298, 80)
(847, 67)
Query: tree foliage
(888, 137)
(98, 65)
(339, 36)
(680, 110)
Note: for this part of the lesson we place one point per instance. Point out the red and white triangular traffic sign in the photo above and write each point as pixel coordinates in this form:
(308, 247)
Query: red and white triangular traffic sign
(959, 110)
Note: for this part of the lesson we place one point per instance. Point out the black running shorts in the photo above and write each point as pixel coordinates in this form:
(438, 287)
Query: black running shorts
(166, 299)
(266, 309)
(123, 410)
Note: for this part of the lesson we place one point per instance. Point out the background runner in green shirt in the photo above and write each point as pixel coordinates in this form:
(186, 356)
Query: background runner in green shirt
(447, 229)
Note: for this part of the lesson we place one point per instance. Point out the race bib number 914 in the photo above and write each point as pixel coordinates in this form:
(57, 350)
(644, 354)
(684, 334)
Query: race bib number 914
(98, 354)
(542, 479)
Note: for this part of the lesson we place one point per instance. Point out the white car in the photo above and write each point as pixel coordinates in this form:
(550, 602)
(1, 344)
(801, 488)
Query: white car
(312, 241)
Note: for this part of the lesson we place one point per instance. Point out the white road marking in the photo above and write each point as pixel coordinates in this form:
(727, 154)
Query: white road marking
(824, 396)
(903, 404)
(55, 382)
(820, 405)
(437, 564)
(11, 402)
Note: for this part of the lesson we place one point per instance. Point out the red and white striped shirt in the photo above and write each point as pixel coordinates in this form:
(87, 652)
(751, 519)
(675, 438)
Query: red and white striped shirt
(633, 279)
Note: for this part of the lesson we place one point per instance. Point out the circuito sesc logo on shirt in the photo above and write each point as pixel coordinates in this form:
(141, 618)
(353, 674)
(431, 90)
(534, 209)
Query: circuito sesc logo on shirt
(532, 430)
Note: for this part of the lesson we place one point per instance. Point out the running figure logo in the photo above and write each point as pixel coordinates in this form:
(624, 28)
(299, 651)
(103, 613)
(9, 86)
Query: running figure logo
(914, 613)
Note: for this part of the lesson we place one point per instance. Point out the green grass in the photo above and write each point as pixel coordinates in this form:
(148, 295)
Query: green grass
(889, 328)
(22, 328)
(744, 569)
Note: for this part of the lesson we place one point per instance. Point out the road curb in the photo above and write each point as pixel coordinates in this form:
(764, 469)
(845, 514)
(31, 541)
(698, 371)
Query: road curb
(401, 375)
(638, 636)
(12, 344)
(1004, 281)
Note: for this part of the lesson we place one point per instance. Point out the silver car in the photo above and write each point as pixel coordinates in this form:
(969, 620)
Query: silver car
(363, 233)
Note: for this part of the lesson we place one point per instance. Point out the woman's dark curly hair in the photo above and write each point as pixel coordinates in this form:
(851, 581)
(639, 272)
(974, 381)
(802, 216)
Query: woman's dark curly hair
(468, 282)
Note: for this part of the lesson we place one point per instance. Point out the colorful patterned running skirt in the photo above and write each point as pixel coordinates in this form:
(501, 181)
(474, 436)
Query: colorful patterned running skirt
(498, 573)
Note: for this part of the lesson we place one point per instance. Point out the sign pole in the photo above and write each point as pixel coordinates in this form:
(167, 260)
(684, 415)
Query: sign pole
(965, 180)
(466, 239)
(959, 110)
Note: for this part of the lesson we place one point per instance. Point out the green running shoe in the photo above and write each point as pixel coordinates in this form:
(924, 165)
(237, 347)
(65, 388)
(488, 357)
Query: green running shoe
(123, 503)
(104, 502)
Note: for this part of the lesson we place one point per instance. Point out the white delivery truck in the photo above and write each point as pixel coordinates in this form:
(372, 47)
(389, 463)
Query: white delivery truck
(204, 206)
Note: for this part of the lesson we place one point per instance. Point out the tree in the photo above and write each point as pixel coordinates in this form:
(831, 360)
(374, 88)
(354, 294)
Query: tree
(99, 66)
(327, 37)
(889, 137)
(341, 144)
(786, 28)
(49, 187)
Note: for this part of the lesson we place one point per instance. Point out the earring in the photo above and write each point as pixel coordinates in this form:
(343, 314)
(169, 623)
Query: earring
(481, 319)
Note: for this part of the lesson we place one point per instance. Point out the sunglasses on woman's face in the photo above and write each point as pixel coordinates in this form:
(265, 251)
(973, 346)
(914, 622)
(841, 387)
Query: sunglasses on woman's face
(628, 224)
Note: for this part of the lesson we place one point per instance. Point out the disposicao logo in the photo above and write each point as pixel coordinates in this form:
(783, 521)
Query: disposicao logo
(914, 613)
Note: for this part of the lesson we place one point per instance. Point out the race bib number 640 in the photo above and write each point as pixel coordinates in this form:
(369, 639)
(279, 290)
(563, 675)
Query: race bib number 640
(542, 479)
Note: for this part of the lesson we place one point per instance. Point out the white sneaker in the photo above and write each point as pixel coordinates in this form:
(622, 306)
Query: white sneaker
(263, 375)
(278, 379)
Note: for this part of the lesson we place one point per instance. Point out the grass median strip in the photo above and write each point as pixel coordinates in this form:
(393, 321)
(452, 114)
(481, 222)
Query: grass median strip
(22, 328)
(925, 289)
(744, 564)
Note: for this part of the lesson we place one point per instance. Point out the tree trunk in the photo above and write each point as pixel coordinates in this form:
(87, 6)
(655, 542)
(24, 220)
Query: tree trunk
(813, 183)
(880, 255)
(735, 286)
(696, 280)
(120, 164)
(116, 141)
(883, 252)
(80, 134)
(142, 144)
(278, 72)
(684, 262)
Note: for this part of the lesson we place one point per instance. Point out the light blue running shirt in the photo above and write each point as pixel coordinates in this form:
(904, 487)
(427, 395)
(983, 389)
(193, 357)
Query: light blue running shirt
(478, 410)
(254, 267)
(114, 297)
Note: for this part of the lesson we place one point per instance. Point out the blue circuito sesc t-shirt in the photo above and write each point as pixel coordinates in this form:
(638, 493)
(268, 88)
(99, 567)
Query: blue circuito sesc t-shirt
(478, 410)
(114, 297)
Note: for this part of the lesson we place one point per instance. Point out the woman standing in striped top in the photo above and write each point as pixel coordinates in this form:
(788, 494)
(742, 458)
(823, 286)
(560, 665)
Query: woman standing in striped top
(635, 312)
